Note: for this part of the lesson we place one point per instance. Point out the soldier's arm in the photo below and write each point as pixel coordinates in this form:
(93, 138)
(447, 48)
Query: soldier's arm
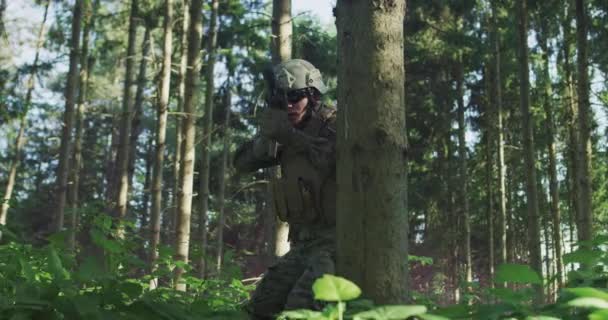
(254, 155)
(321, 149)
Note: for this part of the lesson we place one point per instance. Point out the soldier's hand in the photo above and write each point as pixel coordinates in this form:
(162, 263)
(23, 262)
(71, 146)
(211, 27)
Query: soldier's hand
(274, 124)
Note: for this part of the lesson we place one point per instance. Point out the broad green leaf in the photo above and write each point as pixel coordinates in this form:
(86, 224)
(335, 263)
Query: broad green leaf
(583, 256)
(517, 273)
(333, 288)
(302, 314)
(390, 313)
(589, 292)
(589, 302)
(55, 265)
(599, 315)
(427, 316)
(90, 269)
(27, 270)
(542, 318)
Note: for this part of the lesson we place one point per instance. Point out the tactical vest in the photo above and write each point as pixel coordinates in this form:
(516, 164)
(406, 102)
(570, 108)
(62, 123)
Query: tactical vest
(305, 195)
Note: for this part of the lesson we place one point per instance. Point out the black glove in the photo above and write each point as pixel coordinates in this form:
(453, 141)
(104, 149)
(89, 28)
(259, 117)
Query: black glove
(275, 125)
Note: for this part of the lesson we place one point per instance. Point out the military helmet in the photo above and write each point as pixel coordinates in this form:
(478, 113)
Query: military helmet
(296, 74)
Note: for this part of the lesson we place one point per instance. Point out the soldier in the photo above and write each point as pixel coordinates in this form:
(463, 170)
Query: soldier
(297, 133)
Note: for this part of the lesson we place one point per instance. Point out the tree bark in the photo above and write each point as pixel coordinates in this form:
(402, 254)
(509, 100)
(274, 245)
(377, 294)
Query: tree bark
(20, 139)
(184, 210)
(372, 220)
(462, 151)
(281, 50)
(76, 166)
(171, 215)
(502, 168)
(136, 127)
(121, 174)
(222, 178)
(207, 133)
(161, 134)
(585, 224)
(489, 139)
(528, 148)
(551, 149)
(68, 117)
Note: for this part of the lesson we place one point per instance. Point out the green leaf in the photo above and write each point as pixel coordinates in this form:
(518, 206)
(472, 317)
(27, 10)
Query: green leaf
(27, 270)
(55, 265)
(90, 269)
(542, 318)
(426, 316)
(302, 314)
(390, 313)
(583, 256)
(589, 302)
(333, 288)
(517, 273)
(588, 292)
(599, 315)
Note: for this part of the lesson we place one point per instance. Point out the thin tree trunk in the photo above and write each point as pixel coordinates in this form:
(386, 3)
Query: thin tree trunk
(462, 151)
(222, 178)
(184, 211)
(138, 111)
(489, 138)
(372, 223)
(207, 133)
(76, 166)
(551, 148)
(20, 140)
(121, 174)
(529, 150)
(161, 131)
(169, 224)
(281, 50)
(585, 118)
(502, 168)
(68, 118)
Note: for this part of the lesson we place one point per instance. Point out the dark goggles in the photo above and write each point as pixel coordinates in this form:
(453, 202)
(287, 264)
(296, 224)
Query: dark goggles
(294, 96)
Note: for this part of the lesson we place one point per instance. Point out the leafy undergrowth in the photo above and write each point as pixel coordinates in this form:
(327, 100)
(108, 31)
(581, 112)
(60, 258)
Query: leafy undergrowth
(50, 283)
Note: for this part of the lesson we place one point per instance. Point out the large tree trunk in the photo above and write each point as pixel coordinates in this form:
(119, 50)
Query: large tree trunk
(462, 150)
(529, 150)
(121, 171)
(161, 133)
(207, 133)
(502, 168)
(585, 224)
(170, 216)
(281, 50)
(186, 179)
(20, 140)
(138, 111)
(76, 166)
(551, 148)
(68, 117)
(372, 220)
(222, 178)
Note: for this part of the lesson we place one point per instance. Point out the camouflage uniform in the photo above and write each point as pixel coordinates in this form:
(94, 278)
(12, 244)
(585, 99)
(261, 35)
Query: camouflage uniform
(304, 196)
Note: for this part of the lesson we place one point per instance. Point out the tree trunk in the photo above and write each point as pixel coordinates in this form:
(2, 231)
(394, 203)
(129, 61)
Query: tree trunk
(161, 133)
(186, 178)
(585, 225)
(489, 138)
(171, 215)
(207, 133)
(20, 140)
(136, 127)
(76, 165)
(462, 151)
(502, 168)
(551, 149)
(222, 178)
(372, 220)
(68, 117)
(281, 50)
(528, 148)
(121, 174)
